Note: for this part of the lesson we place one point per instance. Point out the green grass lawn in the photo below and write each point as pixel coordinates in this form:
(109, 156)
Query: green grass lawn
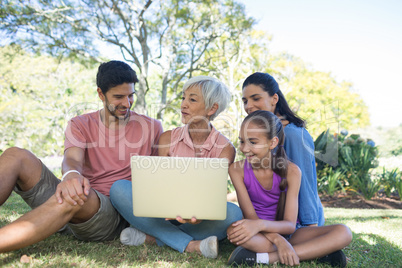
(377, 242)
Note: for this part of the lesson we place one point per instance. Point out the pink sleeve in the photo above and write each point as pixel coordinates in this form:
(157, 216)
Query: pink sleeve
(73, 136)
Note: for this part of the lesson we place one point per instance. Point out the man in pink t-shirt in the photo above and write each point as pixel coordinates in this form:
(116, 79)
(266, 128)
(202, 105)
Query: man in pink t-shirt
(98, 147)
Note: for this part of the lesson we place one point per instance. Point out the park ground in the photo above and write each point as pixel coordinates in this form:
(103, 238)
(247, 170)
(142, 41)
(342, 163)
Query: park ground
(377, 242)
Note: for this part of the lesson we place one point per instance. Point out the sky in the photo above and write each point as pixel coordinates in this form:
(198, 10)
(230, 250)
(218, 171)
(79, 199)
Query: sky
(357, 41)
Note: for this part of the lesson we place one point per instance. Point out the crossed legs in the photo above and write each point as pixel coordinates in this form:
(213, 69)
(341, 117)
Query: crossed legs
(186, 237)
(20, 167)
(308, 242)
(315, 242)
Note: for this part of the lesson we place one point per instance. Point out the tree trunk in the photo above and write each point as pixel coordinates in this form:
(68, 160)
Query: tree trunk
(140, 105)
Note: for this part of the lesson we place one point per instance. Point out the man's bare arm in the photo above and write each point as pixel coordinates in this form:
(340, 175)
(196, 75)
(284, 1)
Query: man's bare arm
(74, 188)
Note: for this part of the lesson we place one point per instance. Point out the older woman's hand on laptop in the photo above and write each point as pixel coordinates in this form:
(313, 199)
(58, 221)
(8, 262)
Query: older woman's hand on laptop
(193, 220)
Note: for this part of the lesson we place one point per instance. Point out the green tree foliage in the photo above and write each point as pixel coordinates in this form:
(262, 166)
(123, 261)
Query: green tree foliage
(322, 100)
(318, 97)
(167, 42)
(38, 95)
(236, 61)
(171, 38)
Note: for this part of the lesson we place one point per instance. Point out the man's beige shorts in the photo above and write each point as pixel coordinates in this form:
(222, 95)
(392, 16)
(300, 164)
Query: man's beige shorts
(106, 224)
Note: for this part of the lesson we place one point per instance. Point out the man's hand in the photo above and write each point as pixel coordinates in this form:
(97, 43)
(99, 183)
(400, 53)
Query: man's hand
(243, 230)
(74, 189)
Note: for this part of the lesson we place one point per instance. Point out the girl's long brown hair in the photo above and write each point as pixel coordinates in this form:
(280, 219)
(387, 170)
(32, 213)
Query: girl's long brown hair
(279, 161)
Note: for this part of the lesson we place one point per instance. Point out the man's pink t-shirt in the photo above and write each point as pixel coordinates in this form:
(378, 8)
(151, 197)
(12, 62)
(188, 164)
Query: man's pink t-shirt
(108, 151)
(182, 145)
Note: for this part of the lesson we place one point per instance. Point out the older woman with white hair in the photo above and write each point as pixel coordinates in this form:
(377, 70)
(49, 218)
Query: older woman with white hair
(203, 99)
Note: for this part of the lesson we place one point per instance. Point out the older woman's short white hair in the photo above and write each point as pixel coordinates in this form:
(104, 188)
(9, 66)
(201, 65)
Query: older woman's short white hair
(213, 91)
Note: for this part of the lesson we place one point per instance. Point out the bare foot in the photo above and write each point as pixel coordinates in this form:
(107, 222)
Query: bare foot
(207, 247)
(193, 246)
(150, 240)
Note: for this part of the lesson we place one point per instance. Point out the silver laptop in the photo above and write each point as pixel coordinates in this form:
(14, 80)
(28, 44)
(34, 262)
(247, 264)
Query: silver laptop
(167, 187)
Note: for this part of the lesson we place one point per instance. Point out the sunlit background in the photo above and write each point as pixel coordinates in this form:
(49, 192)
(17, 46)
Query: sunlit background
(358, 41)
(338, 63)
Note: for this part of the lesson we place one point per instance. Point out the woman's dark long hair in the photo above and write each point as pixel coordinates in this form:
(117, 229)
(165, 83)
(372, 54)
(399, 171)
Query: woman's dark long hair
(279, 161)
(269, 85)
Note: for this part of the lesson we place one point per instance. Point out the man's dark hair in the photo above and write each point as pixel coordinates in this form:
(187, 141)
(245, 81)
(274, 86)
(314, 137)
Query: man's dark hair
(114, 73)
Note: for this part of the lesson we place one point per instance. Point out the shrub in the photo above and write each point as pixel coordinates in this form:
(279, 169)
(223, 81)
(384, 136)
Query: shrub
(354, 156)
(330, 181)
(390, 180)
(365, 186)
(326, 150)
(398, 185)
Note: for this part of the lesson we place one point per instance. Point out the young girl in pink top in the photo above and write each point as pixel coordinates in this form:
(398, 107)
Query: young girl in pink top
(267, 186)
